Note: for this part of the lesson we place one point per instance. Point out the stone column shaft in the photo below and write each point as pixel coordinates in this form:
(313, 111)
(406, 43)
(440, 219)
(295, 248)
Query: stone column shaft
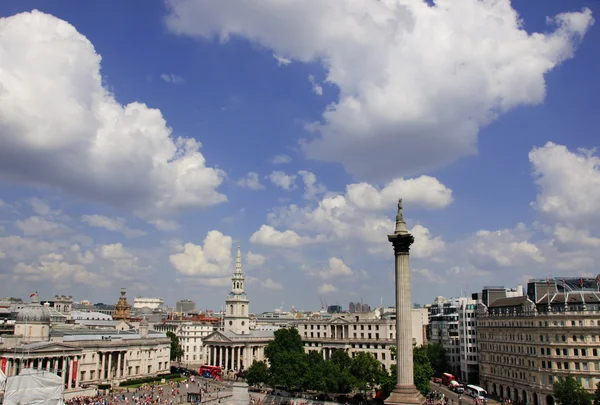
(109, 377)
(101, 375)
(119, 365)
(404, 347)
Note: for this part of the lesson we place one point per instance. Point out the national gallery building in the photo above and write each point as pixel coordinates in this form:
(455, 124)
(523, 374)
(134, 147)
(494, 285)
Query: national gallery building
(80, 355)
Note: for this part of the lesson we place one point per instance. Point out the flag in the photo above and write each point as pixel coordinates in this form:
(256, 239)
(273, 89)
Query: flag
(32, 295)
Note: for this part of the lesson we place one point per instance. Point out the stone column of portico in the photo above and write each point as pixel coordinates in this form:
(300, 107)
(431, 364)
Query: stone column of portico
(102, 368)
(96, 371)
(64, 370)
(405, 392)
(70, 376)
(227, 358)
(110, 375)
(77, 372)
(119, 365)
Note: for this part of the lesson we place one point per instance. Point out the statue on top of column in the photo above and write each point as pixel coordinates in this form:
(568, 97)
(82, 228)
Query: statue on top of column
(400, 215)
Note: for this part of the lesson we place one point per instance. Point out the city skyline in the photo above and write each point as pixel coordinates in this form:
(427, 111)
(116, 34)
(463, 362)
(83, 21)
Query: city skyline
(139, 155)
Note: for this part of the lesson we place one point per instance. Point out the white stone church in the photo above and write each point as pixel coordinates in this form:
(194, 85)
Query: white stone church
(236, 346)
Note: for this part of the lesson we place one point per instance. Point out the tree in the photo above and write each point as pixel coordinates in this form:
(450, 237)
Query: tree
(288, 362)
(422, 370)
(569, 392)
(257, 373)
(176, 349)
(389, 381)
(366, 370)
(437, 358)
(597, 395)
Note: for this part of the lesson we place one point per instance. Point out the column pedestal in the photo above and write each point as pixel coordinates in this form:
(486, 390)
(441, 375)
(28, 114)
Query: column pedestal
(405, 395)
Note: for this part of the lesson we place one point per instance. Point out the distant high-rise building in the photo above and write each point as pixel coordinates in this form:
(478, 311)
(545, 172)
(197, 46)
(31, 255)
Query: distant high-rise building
(358, 307)
(334, 309)
(185, 306)
(366, 308)
(351, 307)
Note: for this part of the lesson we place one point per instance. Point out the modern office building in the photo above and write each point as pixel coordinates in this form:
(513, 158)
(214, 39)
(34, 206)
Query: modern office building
(185, 306)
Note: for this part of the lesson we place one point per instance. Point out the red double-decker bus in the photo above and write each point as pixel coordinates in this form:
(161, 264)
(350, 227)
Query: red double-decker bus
(211, 372)
(446, 378)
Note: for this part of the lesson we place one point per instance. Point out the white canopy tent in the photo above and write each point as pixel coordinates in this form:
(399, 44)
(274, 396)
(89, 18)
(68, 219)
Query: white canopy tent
(34, 387)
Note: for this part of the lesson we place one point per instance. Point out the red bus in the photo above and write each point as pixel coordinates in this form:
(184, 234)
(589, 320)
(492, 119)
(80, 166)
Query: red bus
(214, 372)
(446, 378)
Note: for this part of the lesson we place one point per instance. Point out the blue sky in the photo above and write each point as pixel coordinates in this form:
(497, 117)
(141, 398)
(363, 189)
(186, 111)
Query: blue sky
(481, 116)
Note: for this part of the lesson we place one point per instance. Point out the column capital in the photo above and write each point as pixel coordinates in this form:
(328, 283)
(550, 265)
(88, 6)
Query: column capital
(401, 243)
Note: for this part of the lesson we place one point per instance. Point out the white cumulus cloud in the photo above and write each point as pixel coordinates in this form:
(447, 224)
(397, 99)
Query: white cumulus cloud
(569, 183)
(251, 181)
(326, 288)
(285, 181)
(416, 81)
(212, 259)
(57, 113)
(269, 236)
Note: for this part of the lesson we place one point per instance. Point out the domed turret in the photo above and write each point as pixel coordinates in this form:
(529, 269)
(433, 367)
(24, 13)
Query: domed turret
(34, 313)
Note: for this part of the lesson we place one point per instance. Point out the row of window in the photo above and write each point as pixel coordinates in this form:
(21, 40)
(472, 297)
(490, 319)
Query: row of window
(362, 327)
(354, 335)
(531, 324)
(565, 352)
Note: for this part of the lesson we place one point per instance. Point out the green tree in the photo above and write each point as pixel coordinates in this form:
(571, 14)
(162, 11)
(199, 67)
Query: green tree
(422, 370)
(288, 362)
(176, 349)
(316, 377)
(257, 373)
(437, 358)
(570, 392)
(366, 370)
(597, 395)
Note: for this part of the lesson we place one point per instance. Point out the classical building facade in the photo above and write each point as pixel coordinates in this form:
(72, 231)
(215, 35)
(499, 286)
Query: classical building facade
(526, 343)
(237, 346)
(191, 338)
(357, 332)
(146, 302)
(82, 356)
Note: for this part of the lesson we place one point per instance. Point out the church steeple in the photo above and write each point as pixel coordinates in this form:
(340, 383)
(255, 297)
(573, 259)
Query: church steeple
(236, 314)
(238, 261)
(237, 281)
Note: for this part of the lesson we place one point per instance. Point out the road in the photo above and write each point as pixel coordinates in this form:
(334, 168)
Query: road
(466, 400)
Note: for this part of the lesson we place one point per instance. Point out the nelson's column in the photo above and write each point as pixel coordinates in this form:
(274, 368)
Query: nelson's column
(405, 391)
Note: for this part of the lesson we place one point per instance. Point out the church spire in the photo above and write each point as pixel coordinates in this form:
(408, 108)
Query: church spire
(238, 261)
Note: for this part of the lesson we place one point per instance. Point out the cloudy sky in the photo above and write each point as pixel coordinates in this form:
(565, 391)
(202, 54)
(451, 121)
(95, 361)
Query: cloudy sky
(138, 146)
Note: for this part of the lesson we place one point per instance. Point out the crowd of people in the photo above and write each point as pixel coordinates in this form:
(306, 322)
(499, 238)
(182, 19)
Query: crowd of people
(171, 394)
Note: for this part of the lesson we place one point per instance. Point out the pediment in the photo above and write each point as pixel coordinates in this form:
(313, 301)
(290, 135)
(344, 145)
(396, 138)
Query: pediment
(339, 321)
(49, 347)
(216, 337)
